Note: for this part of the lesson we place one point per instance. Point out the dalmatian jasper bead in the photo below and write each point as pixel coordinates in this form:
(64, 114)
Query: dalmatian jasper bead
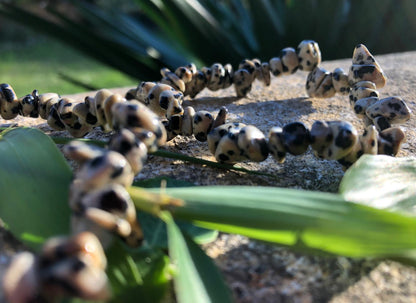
(9, 104)
(227, 150)
(368, 140)
(249, 66)
(99, 99)
(169, 132)
(82, 111)
(108, 168)
(276, 144)
(108, 104)
(172, 79)
(361, 105)
(393, 109)
(367, 84)
(84, 243)
(360, 92)
(290, 60)
(363, 56)
(198, 83)
(30, 105)
(221, 117)
(7, 93)
(153, 99)
(242, 82)
(171, 101)
(126, 143)
(53, 119)
(81, 152)
(309, 55)
(142, 91)
(215, 135)
(365, 68)
(228, 77)
(366, 144)
(332, 140)
(207, 73)
(187, 121)
(46, 101)
(217, 77)
(202, 125)
(20, 280)
(134, 114)
(184, 74)
(252, 143)
(70, 120)
(276, 67)
(295, 138)
(390, 140)
(81, 272)
(78, 262)
(264, 74)
(340, 81)
(109, 207)
(381, 123)
(175, 124)
(148, 138)
(319, 84)
(321, 137)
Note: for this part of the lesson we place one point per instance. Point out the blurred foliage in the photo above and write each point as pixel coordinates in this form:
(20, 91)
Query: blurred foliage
(138, 37)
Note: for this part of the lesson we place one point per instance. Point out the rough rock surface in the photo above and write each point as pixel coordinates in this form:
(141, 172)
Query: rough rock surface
(257, 272)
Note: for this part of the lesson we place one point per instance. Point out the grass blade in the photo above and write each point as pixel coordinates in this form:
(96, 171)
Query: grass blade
(197, 279)
(301, 219)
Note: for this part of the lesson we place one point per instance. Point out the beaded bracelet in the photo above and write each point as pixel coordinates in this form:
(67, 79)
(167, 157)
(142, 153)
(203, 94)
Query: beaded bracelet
(98, 196)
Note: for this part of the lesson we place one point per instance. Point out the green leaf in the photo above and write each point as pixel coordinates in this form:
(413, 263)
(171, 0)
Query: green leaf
(382, 182)
(34, 186)
(197, 279)
(141, 273)
(155, 229)
(309, 221)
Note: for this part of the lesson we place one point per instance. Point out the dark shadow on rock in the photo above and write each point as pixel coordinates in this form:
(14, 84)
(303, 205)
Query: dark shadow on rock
(213, 100)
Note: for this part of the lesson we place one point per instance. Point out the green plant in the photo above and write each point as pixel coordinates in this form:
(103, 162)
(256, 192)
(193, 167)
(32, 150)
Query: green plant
(307, 221)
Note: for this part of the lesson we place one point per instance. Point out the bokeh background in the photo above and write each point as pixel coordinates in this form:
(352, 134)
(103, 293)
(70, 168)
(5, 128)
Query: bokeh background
(72, 46)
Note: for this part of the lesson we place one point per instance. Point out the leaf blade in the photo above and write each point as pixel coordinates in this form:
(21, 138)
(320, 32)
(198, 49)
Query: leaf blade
(34, 210)
(197, 280)
(311, 220)
(367, 183)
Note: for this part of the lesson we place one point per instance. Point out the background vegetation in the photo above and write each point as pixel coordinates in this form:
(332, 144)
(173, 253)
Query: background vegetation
(140, 36)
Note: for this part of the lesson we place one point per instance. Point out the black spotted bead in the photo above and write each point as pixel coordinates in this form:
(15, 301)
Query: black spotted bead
(252, 143)
(309, 55)
(202, 125)
(296, 138)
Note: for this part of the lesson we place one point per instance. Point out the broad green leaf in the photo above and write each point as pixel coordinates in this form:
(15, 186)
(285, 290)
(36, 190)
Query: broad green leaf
(306, 220)
(382, 182)
(196, 279)
(137, 275)
(34, 186)
(155, 229)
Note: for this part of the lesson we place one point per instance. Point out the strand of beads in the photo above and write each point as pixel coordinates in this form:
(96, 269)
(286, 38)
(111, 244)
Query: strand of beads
(335, 140)
(73, 266)
(188, 81)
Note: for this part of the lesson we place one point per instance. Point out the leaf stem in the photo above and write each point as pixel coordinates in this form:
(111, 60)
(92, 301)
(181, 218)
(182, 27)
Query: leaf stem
(64, 140)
